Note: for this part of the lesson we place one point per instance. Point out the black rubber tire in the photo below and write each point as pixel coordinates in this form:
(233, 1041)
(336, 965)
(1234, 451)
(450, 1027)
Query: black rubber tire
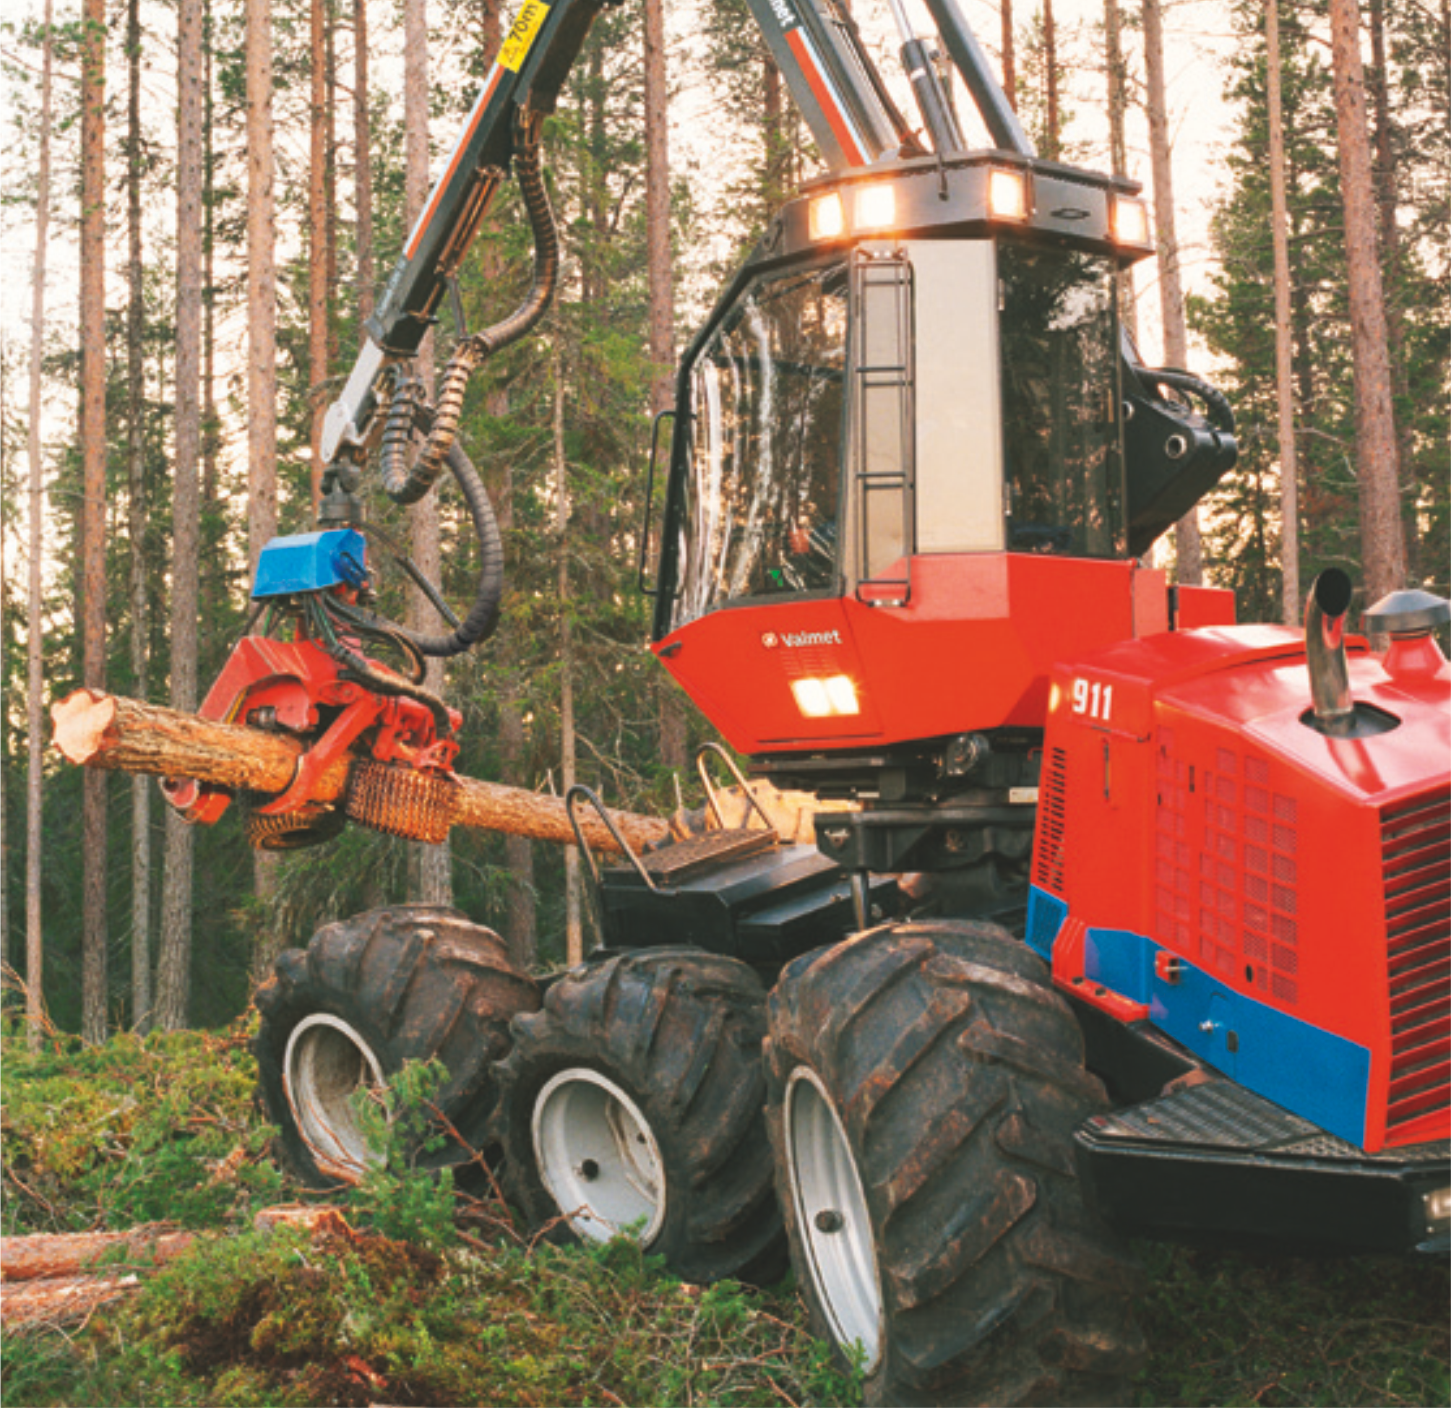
(414, 982)
(679, 1031)
(957, 1075)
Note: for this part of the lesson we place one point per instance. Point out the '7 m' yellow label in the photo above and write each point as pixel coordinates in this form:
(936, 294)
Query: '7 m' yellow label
(521, 34)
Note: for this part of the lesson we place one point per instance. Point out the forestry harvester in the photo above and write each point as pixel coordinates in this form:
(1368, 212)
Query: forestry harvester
(1125, 919)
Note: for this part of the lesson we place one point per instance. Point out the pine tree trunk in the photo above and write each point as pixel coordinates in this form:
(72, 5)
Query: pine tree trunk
(261, 367)
(34, 654)
(1377, 464)
(93, 514)
(174, 977)
(1188, 544)
(520, 932)
(1284, 330)
(1010, 55)
(1387, 186)
(1118, 141)
(136, 486)
(661, 266)
(430, 867)
(213, 587)
(573, 923)
(362, 163)
(317, 222)
(1053, 147)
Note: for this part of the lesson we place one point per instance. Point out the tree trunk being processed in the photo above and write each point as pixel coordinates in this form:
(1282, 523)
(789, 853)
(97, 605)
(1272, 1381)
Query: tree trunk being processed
(34, 655)
(111, 733)
(93, 508)
(1382, 538)
(1190, 548)
(174, 967)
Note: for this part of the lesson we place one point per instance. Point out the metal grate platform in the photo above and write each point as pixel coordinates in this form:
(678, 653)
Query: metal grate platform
(674, 864)
(1222, 1115)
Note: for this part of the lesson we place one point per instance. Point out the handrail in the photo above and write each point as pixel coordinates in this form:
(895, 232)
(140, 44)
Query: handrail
(740, 777)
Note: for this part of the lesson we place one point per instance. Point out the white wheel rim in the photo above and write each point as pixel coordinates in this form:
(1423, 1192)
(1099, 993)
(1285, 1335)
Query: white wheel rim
(831, 1216)
(327, 1062)
(597, 1157)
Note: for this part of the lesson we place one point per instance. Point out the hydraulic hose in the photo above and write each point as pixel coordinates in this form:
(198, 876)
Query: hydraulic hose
(408, 484)
(1221, 413)
(483, 615)
(323, 617)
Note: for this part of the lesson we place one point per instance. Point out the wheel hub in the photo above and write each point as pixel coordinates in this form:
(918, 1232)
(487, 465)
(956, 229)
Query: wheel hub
(598, 1158)
(831, 1210)
(326, 1063)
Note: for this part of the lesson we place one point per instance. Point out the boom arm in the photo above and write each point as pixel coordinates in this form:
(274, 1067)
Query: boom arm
(816, 46)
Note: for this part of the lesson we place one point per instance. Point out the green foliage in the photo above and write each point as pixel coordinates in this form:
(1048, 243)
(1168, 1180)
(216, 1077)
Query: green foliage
(137, 1130)
(1229, 1328)
(247, 1318)
(400, 1198)
(1238, 319)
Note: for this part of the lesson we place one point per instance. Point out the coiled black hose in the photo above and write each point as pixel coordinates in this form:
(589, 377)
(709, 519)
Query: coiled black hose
(407, 484)
(483, 616)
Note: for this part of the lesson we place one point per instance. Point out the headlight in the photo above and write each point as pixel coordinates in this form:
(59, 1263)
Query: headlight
(826, 217)
(876, 208)
(825, 698)
(1130, 222)
(1007, 194)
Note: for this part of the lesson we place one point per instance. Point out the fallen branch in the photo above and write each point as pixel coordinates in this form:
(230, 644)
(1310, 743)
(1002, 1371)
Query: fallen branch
(123, 735)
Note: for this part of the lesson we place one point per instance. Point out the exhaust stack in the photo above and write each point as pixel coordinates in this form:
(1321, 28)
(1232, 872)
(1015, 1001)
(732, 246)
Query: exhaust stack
(1325, 652)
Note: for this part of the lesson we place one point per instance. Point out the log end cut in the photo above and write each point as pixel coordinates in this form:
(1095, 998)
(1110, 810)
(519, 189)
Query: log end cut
(84, 724)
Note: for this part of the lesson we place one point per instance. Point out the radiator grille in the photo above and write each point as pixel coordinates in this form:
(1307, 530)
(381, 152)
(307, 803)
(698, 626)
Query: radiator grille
(1227, 868)
(1048, 863)
(1416, 855)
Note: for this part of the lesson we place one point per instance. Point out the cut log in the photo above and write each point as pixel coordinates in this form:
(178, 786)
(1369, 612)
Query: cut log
(108, 731)
(50, 1256)
(36, 1305)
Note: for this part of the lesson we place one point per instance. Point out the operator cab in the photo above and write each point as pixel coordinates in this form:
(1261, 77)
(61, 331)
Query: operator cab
(902, 435)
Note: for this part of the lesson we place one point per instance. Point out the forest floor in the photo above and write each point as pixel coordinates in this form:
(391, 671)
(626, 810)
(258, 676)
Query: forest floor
(422, 1299)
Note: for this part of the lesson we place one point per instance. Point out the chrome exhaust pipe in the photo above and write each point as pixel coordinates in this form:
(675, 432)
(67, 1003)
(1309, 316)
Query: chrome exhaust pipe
(1325, 651)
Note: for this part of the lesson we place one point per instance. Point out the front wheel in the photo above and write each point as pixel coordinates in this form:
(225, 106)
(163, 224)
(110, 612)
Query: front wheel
(924, 1086)
(634, 1103)
(410, 983)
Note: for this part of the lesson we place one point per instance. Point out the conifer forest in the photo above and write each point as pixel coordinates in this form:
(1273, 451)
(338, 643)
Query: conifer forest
(202, 206)
(182, 187)
(202, 200)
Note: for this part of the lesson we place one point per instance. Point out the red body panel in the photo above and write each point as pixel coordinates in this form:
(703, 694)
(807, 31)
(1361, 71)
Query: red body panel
(972, 649)
(1196, 808)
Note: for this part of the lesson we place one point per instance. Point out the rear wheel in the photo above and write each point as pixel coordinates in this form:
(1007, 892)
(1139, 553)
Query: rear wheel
(925, 1083)
(414, 982)
(633, 1103)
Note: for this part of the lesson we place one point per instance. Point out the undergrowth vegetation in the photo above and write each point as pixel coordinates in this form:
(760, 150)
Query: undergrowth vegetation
(436, 1301)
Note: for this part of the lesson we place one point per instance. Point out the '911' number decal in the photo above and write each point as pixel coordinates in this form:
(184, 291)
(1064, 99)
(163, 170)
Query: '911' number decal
(1093, 699)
